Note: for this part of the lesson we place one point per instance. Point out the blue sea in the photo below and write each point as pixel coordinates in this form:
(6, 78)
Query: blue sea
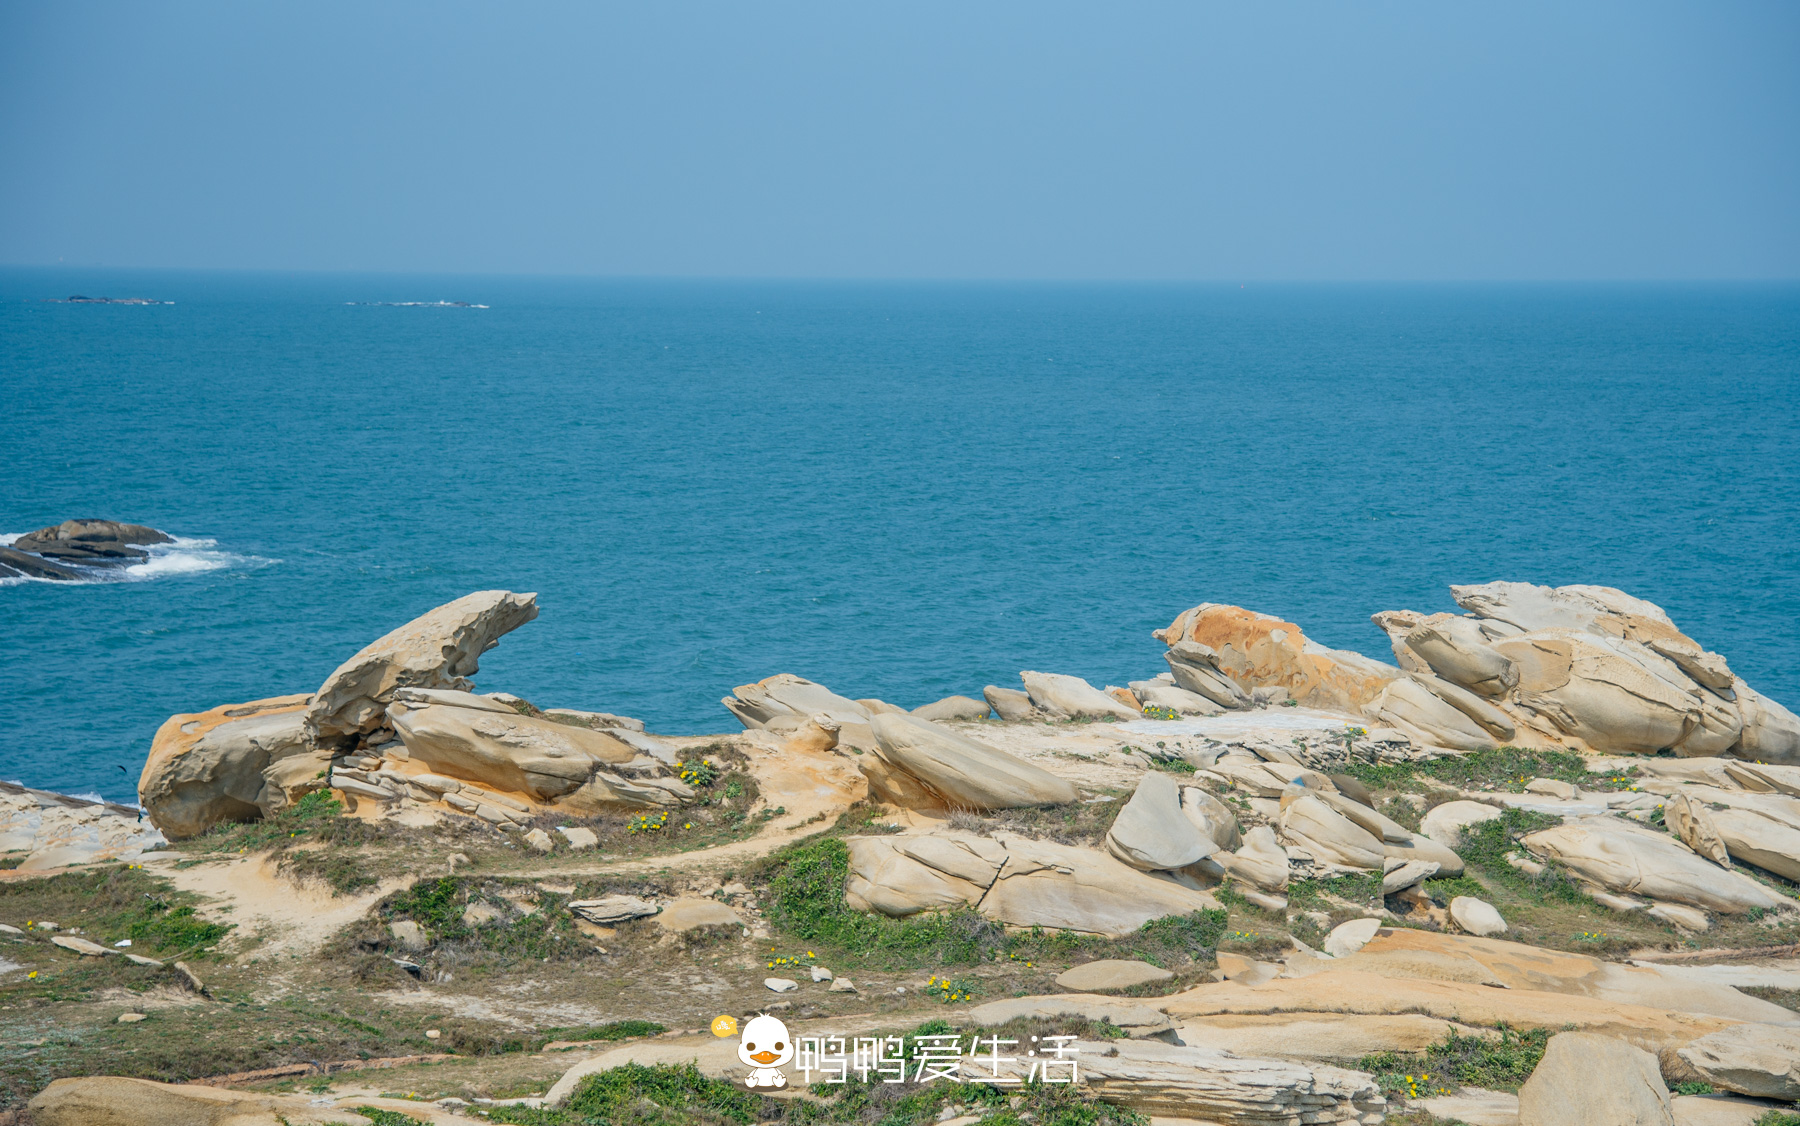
(900, 490)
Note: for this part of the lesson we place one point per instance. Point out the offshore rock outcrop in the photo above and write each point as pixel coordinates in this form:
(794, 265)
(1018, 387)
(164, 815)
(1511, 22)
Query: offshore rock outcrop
(61, 551)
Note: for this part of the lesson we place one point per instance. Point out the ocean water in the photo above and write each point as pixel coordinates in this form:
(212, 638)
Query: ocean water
(899, 490)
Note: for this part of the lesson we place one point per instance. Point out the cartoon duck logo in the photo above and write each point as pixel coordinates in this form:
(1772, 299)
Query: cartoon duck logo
(765, 1047)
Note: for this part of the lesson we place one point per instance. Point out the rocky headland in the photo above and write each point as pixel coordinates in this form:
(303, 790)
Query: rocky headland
(1540, 869)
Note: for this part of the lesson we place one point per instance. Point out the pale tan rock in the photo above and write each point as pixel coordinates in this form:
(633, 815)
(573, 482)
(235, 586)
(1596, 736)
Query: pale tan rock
(578, 838)
(1424, 849)
(816, 736)
(1752, 1059)
(1457, 650)
(1010, 704)
(1256, 650)
(612, 909)
(1404, 874)
(688, 915)
(1617, 697)
(1600, 610)
(1702, 667)
(440, 649)
(1627, 859)
(1476, 916)
(1758, 839)
(1321, 1035)
(1260, 862)
(508, 753)
(1151, 833)
(954, 708)
(1346, 939)
(1717, 1110)
(1472, 1106)
(1338, 990)
(1195, 670)
(1060, 695)
(1420, 955)
(539, 840)
(81, 946)
(897, 877)
(1681, 916)
(1367, 818)
(961, 772)
(788, 695)
(1109, 975)
(1063, 887)
(1488, 717)
(1771, 733)
(1175, 698)
(206, 768)
(1137, 1019)
(1446, 823)
(1310, 826)
(1590, 1080)
(1693, 823)
(1211, 816)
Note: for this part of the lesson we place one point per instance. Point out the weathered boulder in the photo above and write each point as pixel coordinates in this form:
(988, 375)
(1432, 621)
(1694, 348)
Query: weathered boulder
(1590, 1080)
(1600, 610)
(92, 543)
(690, 915)
(1752, 1059)
(1405, 704)
(1314, 828)
(1622, 857)
(1109, 975)
(1010, 704)
(1476, 916)
(576, 767)
(1423, 848)
(1256, 650)
(441, 649)
(1488, 717)
(1693, 823)
(1195, 668)
(1173, 697)
(1151, 833)
(1211, 816)
(1260, 861)
(1062, 696)
(1771, 733)
(1347, 938)
(1616, 696)
(1758, 839)
(956, 771)
(953, 707)
(1446, 823)
(208, 767)
(788, 695)
(1702, 667)
(1459, 651)
(1012, 880)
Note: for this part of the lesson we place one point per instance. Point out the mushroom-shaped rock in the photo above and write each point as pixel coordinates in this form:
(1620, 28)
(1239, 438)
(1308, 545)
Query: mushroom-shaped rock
(1260, 862)
(1313, 827)
(959, 772)
(209, 767)
(1152, 834)
(1211, 816)
(1622, 857)
(441, 649)
(1585, 1079)
(1061, 696)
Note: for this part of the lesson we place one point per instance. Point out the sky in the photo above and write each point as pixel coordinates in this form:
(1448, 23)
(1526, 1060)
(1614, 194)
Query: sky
(1041, 140)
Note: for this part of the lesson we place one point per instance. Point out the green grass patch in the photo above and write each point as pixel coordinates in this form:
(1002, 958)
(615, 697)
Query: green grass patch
(175, 928)
(1779, 1118)
(1506, 768)
(1484, 846)
(1466, 1061)
(615, 1030)
(387, 1117)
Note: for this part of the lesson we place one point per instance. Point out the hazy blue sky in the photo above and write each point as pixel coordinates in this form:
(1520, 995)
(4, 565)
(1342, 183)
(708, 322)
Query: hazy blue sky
(1016, 140)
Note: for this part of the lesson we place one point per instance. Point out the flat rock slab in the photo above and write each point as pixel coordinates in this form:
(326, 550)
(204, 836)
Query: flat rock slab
(1474, 1106)
(1717, 1110)
(613, 908)
(1322, 1036)
(81, 946)
(1109, 975)
(686, 915)
(1138, 1020)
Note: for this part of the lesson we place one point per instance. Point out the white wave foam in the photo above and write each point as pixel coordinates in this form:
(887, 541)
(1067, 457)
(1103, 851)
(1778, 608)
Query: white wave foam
(185, 555)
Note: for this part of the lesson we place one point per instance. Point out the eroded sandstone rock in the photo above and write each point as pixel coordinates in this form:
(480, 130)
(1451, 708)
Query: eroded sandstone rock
(1062, 696)
(1624, 858)
(1151, 833)
(949, 770)
(1585, 1080)
(441, 649)
(208, 767)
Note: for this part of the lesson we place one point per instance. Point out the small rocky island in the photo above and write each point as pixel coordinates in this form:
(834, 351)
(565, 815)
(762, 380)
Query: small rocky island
(1541, 869)
(68, 551)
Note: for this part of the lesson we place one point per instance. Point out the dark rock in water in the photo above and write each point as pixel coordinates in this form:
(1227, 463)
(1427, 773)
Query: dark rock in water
(18, 564)
(96, 543)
